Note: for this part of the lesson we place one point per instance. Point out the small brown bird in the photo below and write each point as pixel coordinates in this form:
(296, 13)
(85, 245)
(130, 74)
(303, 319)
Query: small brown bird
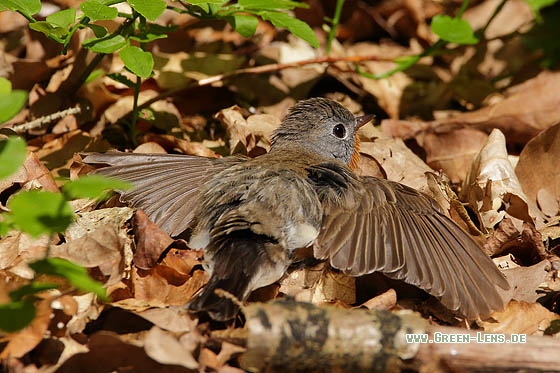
(249, 215)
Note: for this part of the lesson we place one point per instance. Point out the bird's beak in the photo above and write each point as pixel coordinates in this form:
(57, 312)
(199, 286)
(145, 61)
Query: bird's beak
(364, 119)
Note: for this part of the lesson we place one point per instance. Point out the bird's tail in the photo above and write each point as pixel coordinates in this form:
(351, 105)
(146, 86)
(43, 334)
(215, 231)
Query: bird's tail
(220, 307)
(238, 260)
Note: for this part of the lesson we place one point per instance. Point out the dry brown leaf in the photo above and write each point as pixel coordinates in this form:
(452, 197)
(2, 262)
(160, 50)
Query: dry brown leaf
(28, 249)
(526, 281)
(517, 237)
(492, 188)
(368, 166)
(209, 359)
(9, 249)
(182, 259)
(163, 286)
(511, 17)
(319, 284)
(150, 147)
(151, 241)
(240, 139)
(88, 309)
(100, 239)
(384, 301)
(262, 126)
(101, 248)
(10, 21)
(166, 349)
(173, 319)
(66, 304)
(38, 174)
(451, 149)
(398, 162)
(530, 107)
(521, 318)
(247, 136)
(108, 353)
(387, 91)
(173, 144)
(538, 170)
(501, 56)
(57, 154)
(228, 351)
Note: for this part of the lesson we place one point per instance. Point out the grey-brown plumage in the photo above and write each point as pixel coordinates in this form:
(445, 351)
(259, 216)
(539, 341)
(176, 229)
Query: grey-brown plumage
(250, 214)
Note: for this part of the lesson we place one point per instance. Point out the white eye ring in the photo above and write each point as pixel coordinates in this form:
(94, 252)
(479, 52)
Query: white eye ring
(339, 131)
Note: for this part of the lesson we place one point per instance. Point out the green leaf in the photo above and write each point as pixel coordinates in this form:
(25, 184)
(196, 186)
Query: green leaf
(208, 5)
(76, 275)
(153, 32)
(4, 228)
(294, 25)
(5, 86)
(151, 9)
(96, 10)
(12, 155)
(537, 5)
(136, 60)
(202, 2)
(16, 315)
(108, 44)
(30, 289)
(453, 30)
(38, 212)
(403, 63)
(147, 114)
(28, 7)
(11, 102)
(63, 18)
(244, 25)
(93, 186)
(51, 31)
(99, 31)
(270, 4)
(97, 73)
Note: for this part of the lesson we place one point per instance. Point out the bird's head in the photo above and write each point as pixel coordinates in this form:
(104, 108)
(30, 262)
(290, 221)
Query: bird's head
(323, 126)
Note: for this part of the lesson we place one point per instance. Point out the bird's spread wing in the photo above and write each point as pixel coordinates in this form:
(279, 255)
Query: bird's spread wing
(377, 225)
(166, 186)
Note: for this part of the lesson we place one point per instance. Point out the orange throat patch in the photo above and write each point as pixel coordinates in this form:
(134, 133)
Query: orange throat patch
(356, 155)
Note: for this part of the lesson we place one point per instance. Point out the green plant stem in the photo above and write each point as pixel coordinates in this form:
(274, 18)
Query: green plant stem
(28, 17)
(334, 24)
(90, 67)
(436, 48)
(99, 56)
(134, 117)
(83, 22)
(125, 15)
(462, 9)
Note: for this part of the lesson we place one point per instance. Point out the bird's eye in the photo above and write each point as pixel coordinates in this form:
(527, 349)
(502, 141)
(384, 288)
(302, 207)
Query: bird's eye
(339, 131)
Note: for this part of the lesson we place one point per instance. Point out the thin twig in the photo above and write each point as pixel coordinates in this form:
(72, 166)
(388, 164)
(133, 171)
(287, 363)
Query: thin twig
(261, 70)
(40, 122)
